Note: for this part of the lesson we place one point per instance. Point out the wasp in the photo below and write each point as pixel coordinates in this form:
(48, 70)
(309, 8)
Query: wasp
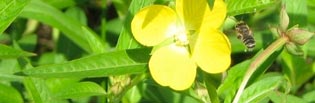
(245, 34)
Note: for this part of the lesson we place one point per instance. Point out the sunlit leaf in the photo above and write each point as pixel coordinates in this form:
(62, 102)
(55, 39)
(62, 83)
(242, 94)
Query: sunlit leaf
(36, 88)
(77, 14)
(9, 95)
(47, 14)
(232, 82)
(9, 10)
(236, 7)
(10, 77)
(156, 94)
(235, 76)
(95, 43)
(278, 97)
(309, 96)
(78, 90)
(296, 68)
(260, 89)
(297, 11)
(8, 52)
(105, 64)
(133, 95)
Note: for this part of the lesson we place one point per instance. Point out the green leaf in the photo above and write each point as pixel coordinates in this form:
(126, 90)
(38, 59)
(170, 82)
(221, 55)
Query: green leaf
(9, 95)
(105, 64)
(36, 88)
(77, 14)
(78, 90)
(114, 26)
(297, 69)
(9, 10)
(8, 52)
(28, 42)
(49, 15)
(133, 95)
(308, 48)
(126, 40)
(297, 11)
(51, 58)
(260, 89)
(7, 69)
(210, 3)
(153, 93)
(236, 74)
(96, 45)
(309, 96)
(237, 7)
(311, 12)
(121, 7)
(60, 4)
(278, 97)
(232, 82)
(9, 77)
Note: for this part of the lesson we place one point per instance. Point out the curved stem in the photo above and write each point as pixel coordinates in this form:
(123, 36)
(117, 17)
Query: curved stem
(257, 62)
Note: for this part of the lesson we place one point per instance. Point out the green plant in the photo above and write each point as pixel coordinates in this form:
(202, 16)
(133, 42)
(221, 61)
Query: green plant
(72, 51)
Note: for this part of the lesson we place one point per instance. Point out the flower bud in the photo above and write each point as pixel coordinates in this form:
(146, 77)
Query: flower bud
(284, 19)
(294, 49)
(299, 36)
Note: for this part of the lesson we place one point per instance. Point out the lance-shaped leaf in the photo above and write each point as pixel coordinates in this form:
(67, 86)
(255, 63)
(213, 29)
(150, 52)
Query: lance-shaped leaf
(73, 29)
(8, 52)
(9, 10)
(78, 90)
(260, 90)
(105, 64)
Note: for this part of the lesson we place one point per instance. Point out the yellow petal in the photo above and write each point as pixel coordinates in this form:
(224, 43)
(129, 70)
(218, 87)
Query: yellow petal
(191, 12)
(172, 66)
(153, 24)
(215, 17)
(212, 51)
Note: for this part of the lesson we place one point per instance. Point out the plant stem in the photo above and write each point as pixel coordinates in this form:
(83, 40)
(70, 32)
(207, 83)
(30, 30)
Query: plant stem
(211, 87)
(116, 98)
(257, 62)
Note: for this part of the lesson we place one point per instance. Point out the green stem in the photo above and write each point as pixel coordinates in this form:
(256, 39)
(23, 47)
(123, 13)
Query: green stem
(117, 98)
(210, 82)
(257, 62)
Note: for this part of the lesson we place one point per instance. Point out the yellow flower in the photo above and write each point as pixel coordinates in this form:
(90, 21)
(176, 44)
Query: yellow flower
(183, 39)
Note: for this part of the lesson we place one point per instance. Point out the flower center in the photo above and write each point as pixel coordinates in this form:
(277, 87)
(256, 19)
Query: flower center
(181, 37)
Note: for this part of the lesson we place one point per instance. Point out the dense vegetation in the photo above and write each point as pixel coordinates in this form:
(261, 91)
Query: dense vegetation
(83, 51)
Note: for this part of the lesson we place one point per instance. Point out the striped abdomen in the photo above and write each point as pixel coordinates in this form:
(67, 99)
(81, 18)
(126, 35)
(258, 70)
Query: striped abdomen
(245, 35)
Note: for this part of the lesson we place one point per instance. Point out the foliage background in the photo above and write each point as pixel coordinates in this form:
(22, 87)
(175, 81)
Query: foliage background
(79, 51)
